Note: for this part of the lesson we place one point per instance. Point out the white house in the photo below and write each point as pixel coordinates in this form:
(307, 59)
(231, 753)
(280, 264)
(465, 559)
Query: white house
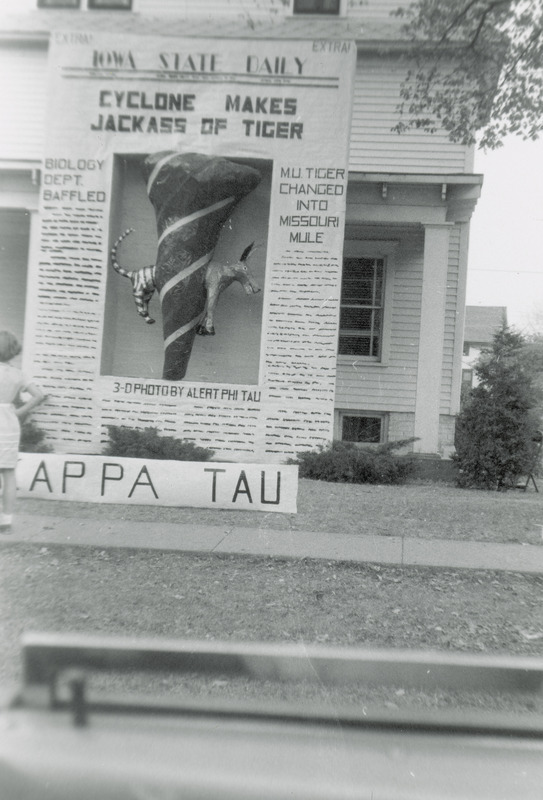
(482, 322)
(393, 312)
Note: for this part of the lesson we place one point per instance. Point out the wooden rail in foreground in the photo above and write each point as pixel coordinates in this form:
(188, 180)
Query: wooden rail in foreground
(45, 656)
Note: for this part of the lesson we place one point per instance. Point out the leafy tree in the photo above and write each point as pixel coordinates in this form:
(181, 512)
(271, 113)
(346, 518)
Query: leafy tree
(478, 69)
(533, 359)
(495, 430)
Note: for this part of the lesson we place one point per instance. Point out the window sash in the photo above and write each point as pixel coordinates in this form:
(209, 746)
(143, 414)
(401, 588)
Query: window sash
(109, 5)
(87, 5)
(361, 313)
(59, 4)
(316, 7)
(361, 429)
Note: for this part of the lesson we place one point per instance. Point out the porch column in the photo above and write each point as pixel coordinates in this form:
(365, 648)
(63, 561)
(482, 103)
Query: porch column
(432, 325)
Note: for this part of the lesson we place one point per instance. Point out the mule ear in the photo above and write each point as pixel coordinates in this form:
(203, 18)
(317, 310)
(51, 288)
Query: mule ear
(246, 253)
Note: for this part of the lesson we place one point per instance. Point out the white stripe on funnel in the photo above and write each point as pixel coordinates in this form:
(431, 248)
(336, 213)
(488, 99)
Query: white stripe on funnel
(158, 167)
(185, 329)
(191, 217)
(201, 262)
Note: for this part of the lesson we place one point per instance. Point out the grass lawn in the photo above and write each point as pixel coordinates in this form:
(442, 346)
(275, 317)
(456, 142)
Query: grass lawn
(141, 593)
(175, 595)
(426, 510)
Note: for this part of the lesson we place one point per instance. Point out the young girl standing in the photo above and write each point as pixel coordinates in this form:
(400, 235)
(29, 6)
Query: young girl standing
(12, 381)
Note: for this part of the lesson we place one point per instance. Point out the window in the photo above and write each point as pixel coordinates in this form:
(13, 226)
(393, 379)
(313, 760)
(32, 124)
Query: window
(59, 3)
(316, 7)
(467, 376)
(90, 5)
(361, 316)
(109, 5)
(361, 428)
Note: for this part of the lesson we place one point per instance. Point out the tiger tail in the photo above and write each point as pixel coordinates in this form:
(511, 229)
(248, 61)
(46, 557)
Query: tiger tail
(143, 280)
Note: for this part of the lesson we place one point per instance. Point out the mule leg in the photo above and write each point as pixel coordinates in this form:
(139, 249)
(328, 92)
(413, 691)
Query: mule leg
(206, 328)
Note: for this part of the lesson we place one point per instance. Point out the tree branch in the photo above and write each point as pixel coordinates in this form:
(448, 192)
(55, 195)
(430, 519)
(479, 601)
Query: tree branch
(537, 33)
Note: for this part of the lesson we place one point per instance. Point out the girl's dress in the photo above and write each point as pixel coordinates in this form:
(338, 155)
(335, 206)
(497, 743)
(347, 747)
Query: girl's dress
(12, 381)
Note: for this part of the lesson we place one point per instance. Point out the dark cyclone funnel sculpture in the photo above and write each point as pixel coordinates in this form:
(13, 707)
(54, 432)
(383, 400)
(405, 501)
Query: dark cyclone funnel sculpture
(193, 195)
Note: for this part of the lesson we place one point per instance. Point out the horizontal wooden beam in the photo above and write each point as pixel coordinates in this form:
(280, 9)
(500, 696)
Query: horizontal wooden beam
(46, 656)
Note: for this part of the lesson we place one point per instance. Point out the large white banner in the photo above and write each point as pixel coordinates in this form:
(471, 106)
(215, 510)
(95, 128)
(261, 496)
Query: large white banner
(216, 172)
(138, 481)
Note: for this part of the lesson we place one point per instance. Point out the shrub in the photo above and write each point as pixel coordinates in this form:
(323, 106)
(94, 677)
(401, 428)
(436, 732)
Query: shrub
(344, 462)
(496, 428)
(32, 438)
(147, 443)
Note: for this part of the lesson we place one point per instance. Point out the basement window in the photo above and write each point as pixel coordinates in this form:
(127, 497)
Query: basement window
(87, 5)
(361, 428)
(329, 7)
(59, 4)
(109, 5)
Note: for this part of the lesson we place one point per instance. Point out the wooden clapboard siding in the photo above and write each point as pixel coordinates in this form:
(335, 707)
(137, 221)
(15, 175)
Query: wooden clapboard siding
(390, 387)
(372, 9)
(375, 147)
(23, 93)
(212, 8)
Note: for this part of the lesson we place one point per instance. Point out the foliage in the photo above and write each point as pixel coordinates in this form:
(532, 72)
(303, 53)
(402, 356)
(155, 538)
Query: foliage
(344, 462)
(32, 438)
(465, 394)
(533, 352)
(496, 428)
(147, 443)
(478, 69)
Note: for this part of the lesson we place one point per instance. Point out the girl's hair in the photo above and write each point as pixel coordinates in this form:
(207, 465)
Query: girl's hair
(9, 346)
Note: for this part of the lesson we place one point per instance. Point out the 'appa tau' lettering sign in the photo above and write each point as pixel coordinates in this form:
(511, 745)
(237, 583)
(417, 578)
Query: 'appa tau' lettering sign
(139, 481)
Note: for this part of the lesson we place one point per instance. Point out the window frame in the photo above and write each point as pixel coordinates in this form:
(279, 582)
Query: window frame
(327, 14)
(56, 5)
(386, 250)
(84, 5)
(339, 415)
(109, 5)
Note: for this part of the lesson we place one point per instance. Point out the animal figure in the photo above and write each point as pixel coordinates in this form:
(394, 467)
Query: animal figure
(218, 277)
(143, 280)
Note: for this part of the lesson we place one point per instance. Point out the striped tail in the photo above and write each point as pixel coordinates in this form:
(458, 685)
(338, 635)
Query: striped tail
(143, 280)
(114, 263)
